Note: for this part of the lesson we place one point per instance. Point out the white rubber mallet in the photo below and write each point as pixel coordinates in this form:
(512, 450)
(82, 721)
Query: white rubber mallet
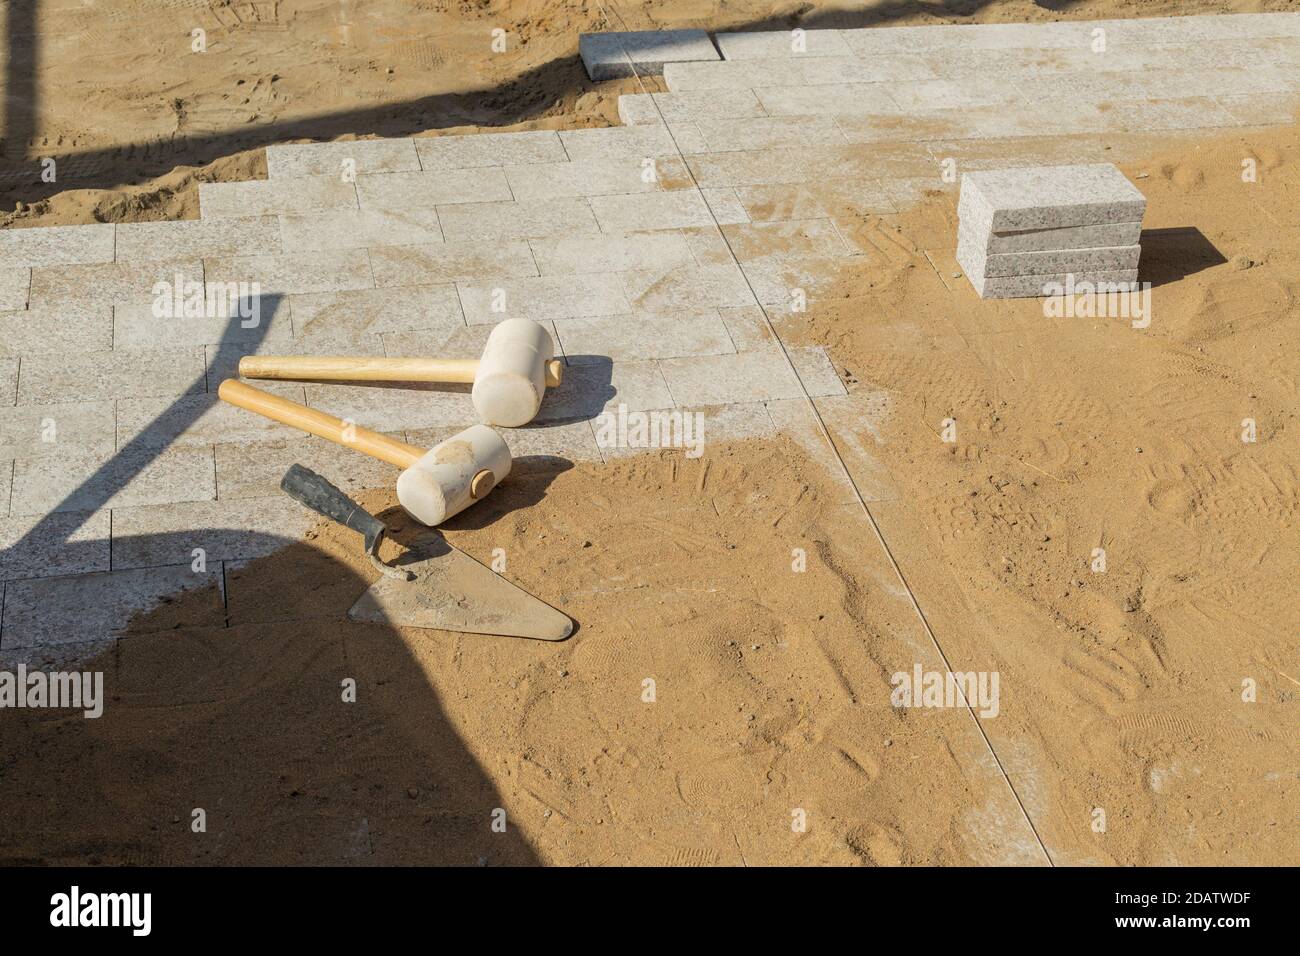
(510, 379)
(434, 485)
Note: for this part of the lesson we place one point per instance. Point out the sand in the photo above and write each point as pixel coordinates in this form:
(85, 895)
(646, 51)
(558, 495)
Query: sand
(1121, 690)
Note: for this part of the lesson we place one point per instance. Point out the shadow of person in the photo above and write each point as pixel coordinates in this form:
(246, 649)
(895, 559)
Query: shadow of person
(280, 731)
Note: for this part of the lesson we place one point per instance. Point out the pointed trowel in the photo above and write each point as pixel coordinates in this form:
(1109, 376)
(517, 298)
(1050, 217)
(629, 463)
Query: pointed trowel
(432, 585)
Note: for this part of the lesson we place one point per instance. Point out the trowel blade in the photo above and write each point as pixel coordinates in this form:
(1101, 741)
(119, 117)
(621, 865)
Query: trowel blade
(453, 592)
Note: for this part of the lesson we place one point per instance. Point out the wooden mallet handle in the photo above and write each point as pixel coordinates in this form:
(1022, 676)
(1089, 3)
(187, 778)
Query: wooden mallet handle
(342, 368)
(319, 424)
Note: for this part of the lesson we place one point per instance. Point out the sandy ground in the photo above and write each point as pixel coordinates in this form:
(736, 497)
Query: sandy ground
(1122, 690)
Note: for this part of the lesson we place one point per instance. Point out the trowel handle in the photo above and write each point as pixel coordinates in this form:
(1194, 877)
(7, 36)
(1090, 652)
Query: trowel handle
(308, 488)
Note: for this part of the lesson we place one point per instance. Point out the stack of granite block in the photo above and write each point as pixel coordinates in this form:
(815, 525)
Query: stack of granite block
(1026, 232)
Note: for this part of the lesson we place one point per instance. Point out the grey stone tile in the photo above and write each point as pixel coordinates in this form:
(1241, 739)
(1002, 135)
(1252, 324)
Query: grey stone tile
(662, 210)
(568, 255)
(608, 56)
(226, 530)
(771, 132)
(977, 262)
(57, 245)
(688, 138)
(197, 238)
(735, 74)
(112, 282)
(254, 471)
(1033, 287)
(396, 409)
(199, 420)
(1070, 237)
(749, 45)
(619, 141)
(722, 379)
(352, 229)
(748, 328)
(275, 197)
(544, 297)
(8, 381)
(1048, 197)
(91, 607)
(29, 431)
(589, 390)
(489, 149)
(816, 372)
(14, 284)
(94, 376)
(139, 476)
(725, 205)
(678, 290)
(638, 109)
(640, 337)
(54, 329)
(707, 104)
(527, 219)
(396, 192)
(839, 99)
(342, 160)
(956, 94)
(265, 321)
(543, 181)
(450, 262)
(295, 272)
(810, 165)
(48, 545)
(353, 322)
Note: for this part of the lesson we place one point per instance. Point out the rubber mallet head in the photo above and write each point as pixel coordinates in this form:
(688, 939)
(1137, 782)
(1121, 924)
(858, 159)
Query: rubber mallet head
(453, 474)
(512, 374)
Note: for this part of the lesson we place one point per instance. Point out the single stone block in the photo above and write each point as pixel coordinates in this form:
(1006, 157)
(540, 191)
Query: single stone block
(29, 431)
(609, 56)
(976, 262)
(562, 255)
(57, 245)
(353, 322)
(396, 192)
(543, 297)
(90, 607)
(122, 373)
(489, 149)
(226, 530)
(255, 470)
(450, 262)
(636, 142)
(135, 326)
(639, 337)
(353, 229)
(1069, 237)
(341, 159)
(273, 197)
(113, 283)
(49, 545)
(1049, 197)
(517, 220)
(254, 236)
(135, 476)
(683, 289)
(49, 328)
(661, 210)
(542, 181)
(777, 43)
(328, 271)
(201, 420)
(1032, 287)
(14, 285)
(721, 379)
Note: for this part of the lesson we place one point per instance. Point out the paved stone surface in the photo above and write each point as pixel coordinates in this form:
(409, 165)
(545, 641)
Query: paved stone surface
(645, 248)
